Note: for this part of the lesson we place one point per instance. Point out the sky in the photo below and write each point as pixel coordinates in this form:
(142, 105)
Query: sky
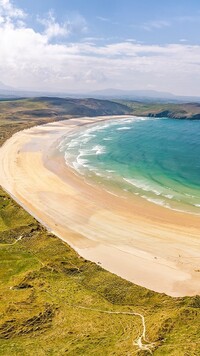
(85, 45)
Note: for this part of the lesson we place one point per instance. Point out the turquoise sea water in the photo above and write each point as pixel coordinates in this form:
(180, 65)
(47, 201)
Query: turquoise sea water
(157, 159)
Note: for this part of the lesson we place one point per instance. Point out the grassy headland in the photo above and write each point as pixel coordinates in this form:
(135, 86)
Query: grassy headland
(53, 302)
(175, 111)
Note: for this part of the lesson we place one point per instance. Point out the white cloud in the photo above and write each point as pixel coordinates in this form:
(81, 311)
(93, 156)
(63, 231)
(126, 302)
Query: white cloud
(93, 76)
(155, 25)
(75, 25)
(94, 39)
(29, 60)
(53, 28)
(104, 19)
(8, 12)
(78, 24)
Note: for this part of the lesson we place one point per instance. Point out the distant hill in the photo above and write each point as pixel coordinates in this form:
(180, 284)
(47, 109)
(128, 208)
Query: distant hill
(142, 95)
(132, 93)
(52, 108)
(171, 110)
(109, 94)
(4, 87)
(7, 92)
(85, 107)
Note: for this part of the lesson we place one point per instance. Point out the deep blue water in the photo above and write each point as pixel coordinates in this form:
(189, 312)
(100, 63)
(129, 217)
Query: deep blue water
(157, 159)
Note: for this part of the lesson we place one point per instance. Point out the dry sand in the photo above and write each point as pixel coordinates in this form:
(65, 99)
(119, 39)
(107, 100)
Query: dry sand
(147, 244)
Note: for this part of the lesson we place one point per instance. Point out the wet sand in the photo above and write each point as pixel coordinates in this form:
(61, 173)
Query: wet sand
(147, 244)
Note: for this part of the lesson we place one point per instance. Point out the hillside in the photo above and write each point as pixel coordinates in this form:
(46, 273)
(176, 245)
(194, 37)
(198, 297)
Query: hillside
(53, 109)
(57, 107)
(174, 111)
(16, 114)
(52, 302)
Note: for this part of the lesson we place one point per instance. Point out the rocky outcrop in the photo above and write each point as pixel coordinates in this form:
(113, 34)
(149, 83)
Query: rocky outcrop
(175, 115)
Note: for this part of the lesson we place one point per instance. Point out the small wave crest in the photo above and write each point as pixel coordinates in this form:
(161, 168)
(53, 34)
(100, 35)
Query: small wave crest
(143, 185)
(99, 150)
(131, 161)
(123, 128)
(156, 201)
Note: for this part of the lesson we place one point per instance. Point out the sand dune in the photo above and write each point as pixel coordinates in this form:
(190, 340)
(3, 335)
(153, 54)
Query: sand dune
(147, 244)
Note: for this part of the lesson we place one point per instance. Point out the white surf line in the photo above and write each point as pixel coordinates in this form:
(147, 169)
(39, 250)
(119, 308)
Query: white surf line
(141, 342)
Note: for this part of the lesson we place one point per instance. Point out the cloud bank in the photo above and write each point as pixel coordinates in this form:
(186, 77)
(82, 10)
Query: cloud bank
(50, 60)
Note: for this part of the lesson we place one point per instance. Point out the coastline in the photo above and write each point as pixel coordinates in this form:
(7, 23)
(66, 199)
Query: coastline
(149, 245)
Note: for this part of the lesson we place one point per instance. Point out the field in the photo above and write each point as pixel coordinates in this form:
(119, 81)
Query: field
(53, 302)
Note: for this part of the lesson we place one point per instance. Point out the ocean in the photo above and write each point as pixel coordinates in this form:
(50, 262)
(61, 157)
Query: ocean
(157, 159)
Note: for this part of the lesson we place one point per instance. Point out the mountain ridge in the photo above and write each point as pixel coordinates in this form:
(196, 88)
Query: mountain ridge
(108, 93)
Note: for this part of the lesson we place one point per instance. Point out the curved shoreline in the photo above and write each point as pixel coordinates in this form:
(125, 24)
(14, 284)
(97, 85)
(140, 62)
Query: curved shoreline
(149, 245)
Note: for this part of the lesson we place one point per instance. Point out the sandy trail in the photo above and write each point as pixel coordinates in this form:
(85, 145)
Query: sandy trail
(147, 244)
(13, 243)
(141, 342)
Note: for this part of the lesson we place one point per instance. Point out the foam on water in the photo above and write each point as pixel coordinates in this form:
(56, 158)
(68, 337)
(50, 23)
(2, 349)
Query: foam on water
(143, 186)
(124, 128)
(157, 159)
(99, 150)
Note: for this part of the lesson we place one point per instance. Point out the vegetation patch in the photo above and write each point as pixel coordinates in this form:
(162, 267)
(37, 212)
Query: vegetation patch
(16, 327)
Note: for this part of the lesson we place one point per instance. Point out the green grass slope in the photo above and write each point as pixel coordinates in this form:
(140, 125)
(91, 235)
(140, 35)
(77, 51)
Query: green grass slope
(53, 302)
(175, 111)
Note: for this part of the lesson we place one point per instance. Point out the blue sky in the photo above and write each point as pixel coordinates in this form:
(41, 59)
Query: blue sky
(149, 21)
(78, 45)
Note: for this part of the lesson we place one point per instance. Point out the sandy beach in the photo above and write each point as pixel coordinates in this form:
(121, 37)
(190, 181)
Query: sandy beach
(146, 244)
